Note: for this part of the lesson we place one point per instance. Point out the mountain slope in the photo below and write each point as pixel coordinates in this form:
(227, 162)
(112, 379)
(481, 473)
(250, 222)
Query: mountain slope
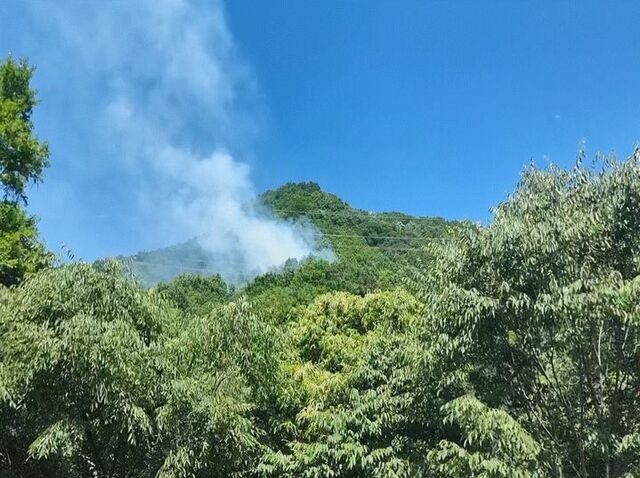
(367, 245)
(344, 226)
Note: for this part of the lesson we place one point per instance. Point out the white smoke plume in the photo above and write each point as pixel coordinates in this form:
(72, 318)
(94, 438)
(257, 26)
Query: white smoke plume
(178, 102)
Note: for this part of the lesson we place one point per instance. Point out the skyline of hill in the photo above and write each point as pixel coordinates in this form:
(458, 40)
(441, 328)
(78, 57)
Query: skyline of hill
(341, 232)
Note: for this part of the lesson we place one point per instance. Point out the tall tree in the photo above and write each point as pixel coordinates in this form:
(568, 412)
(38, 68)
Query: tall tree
(22, 160)
(23, 157)
(538, 314)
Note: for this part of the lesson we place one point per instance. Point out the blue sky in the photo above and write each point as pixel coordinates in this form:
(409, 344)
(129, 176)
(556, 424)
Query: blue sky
(430, 108)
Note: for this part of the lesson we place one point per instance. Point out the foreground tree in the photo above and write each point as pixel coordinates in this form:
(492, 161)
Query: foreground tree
(495, 444)
(101, 378)
(22, 160)
(23, 157)
(538, 314)
(220, 374)
(77, 380)
(21, 251)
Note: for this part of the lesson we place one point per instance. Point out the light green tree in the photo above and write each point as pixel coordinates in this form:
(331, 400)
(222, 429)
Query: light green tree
(78, 384)
(196, 294)
(21, 251)
(354, 376)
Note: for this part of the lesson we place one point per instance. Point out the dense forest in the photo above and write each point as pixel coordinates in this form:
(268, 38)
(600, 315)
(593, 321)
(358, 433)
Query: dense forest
(427, 348)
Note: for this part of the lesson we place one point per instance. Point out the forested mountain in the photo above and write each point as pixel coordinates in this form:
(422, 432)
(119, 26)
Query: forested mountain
(426, 349)
(381, 240)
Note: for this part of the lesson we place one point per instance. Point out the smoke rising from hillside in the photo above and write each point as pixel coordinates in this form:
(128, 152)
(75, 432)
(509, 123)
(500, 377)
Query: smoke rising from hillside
(179, 102)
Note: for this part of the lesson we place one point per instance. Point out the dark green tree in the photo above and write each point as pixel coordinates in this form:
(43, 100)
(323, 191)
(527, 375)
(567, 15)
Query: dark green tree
(354, 375)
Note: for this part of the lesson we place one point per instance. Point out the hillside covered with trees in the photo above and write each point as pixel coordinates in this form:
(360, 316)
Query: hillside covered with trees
(349, 235)
(425, 349)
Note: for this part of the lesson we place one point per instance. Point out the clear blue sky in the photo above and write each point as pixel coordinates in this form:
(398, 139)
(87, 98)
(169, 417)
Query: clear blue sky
(430, 108)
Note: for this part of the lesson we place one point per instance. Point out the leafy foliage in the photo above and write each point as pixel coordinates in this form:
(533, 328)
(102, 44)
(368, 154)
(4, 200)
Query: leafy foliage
(353, 373)
(496, 445)
(538, 313)
(22, 157)
(217, 370)
(21, 252)
(22, 160)
(77, 368)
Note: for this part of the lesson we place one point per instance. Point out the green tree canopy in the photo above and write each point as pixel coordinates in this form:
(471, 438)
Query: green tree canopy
(196, 294)
(22, 160)
(538, 313)
(101, 378)
(22, 157)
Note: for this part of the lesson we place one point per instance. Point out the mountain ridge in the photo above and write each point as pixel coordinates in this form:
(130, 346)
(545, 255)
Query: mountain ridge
(349, 232)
